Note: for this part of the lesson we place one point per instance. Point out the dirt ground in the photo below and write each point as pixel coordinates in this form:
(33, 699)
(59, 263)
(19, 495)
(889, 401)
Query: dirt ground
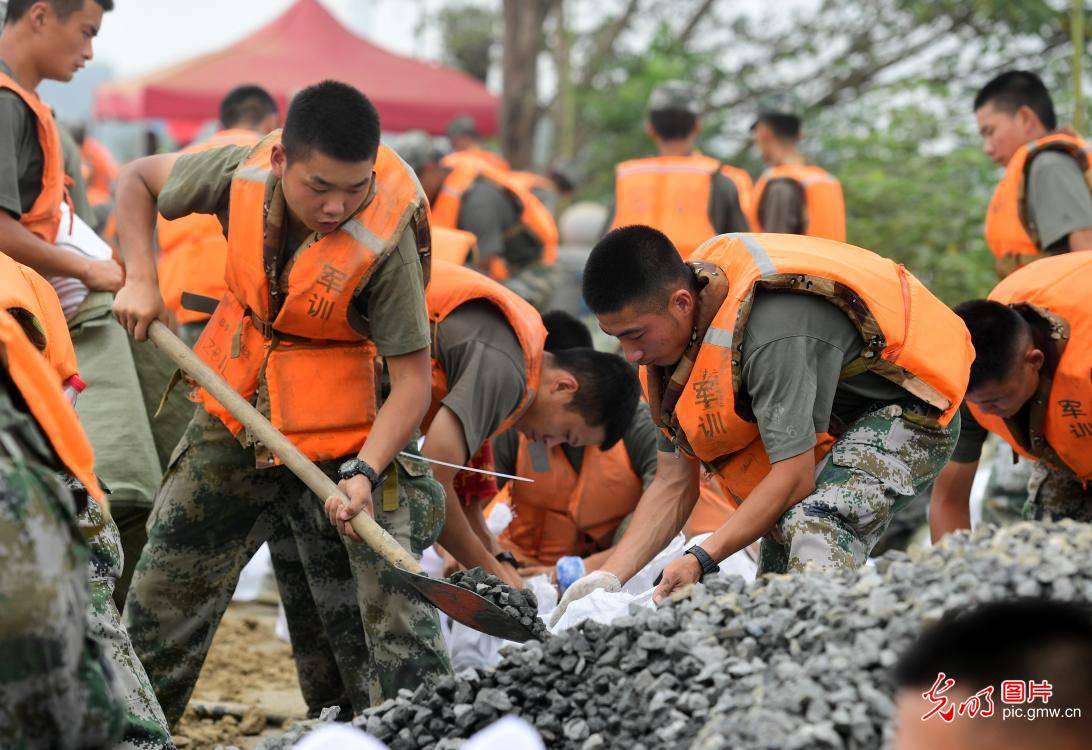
(247, 686)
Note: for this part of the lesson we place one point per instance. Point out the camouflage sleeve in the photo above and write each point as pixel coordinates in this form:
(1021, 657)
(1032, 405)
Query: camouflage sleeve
(972, 436)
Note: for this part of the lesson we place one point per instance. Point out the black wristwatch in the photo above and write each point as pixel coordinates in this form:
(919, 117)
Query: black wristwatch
(708, 567)
(355, 466)
(507, 557)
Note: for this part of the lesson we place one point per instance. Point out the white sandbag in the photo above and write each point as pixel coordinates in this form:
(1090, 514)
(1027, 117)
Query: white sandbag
(253, 576)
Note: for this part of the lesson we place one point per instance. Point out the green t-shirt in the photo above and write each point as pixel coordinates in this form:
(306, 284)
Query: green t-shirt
(794, 349)
(393, 301)
(483, 362)
(1059, 202)
(639, 441)
(21, 161)
(492, 217)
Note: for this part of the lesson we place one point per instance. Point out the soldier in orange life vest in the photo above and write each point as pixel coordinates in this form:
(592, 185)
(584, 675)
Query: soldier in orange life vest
(554, 189)
(39, 181)
(802, 371)
(517, 236)
(325, 273)
(193, 249)
(99, 172)
(466, 145)
(1029, 385)
(1042, 206)
(791, 196)
(686, 195)
(491, 372)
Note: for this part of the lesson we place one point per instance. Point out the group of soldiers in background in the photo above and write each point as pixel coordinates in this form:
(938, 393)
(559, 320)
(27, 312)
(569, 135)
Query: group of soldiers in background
(382, 305)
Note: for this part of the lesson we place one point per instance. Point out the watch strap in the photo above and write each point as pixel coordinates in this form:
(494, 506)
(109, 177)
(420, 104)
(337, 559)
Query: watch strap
(708, 566)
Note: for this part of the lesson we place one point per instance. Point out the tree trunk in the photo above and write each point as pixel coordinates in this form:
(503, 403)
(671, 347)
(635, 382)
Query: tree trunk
(524, 40)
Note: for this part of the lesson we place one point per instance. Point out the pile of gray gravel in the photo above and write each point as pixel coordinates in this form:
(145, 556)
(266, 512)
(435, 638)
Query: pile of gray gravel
(788, 662)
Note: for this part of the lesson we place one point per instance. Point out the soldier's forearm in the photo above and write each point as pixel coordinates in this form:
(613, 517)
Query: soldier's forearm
(950, 504)
(27, 248)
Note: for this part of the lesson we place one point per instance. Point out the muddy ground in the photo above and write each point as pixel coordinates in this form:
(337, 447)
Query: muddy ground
(247, 686)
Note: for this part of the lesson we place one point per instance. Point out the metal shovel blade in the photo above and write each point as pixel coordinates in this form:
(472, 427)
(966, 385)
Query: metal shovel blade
(466, 607)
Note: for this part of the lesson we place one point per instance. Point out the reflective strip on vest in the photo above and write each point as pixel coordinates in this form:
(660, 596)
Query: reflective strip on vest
(252, 174)
(364, 236)
(758, 253)
(663, 168)
(721, 337)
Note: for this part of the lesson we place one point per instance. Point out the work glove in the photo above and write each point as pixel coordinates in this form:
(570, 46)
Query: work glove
(581, 587)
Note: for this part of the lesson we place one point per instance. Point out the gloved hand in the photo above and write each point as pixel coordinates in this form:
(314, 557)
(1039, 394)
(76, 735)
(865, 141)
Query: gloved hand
(581, 587)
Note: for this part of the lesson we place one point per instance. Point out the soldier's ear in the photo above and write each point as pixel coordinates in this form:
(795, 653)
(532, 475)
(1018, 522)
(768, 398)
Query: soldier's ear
(278, 161)
(1035, 359)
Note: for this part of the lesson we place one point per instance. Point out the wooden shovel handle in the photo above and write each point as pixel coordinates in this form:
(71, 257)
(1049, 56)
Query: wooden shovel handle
(283, 448)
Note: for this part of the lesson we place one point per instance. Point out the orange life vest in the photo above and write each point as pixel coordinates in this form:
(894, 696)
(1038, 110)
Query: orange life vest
(454, 246)
(1010, 234)
(566, 512)
(824, 205)
(319, 370)
(100, 170)
(902, 324)
(44, 217)
(454, 285)
(744, 186)
(40, 388)
(475, 155)
(669, 193)
(193, 249)
(533, 216)
(22, 288)
(1056, 288)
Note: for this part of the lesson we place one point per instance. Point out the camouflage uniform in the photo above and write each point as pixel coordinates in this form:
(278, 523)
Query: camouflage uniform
(125, 382)
(56, 690)
(145, 727)
(874, 469)
(1054, 495)
(212, 513)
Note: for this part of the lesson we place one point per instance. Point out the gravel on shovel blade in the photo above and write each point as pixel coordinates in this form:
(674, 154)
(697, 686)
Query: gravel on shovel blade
(788, 662)
(521, 605)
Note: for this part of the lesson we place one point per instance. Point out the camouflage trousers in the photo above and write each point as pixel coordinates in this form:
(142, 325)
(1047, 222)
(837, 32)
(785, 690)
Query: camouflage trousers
(875, 468)
(145, 727)
(56, 690)
(125, 382)
(535, 283)
(1056, 495)
(212, 513)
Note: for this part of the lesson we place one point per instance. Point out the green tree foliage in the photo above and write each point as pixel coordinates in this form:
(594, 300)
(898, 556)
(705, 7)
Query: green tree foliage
(469, 32)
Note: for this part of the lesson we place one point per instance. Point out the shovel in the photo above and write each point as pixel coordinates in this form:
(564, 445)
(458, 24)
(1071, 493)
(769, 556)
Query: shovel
(464, 606)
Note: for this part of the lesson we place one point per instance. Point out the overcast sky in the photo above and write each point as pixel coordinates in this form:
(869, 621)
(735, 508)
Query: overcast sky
(142, 35)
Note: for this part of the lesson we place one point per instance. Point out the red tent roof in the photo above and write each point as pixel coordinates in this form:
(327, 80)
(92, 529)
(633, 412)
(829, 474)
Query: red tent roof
(303, 46)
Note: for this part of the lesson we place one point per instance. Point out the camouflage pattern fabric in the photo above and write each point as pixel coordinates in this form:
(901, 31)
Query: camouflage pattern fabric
(534, 283)
(340, 677)
(145, 727)
(875, 468)
(56, 690)
(126, 381)
(1055, 494)
(213, 512)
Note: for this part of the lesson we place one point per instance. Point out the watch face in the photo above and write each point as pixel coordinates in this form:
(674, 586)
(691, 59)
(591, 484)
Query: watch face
(348, 465)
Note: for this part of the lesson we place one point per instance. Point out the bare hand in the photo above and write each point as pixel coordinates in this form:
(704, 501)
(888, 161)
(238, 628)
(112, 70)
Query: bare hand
(137, 305)
(359, 491)
(678, 573)
(103, 275)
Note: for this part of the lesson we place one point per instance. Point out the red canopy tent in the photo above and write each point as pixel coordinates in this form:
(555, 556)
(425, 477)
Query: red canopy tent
(303, 46)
